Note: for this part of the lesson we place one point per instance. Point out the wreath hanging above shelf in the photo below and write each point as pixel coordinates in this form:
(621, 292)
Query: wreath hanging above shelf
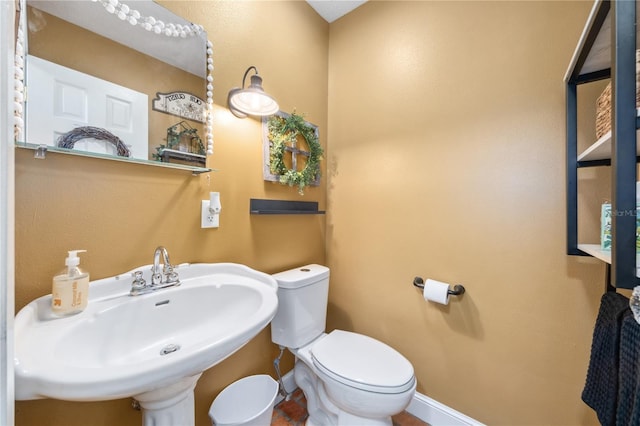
(282, 131)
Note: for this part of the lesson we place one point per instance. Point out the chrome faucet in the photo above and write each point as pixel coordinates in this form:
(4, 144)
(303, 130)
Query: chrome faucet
(167, 277)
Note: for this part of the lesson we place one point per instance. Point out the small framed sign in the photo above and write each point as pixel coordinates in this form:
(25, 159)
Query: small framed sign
(180, 104)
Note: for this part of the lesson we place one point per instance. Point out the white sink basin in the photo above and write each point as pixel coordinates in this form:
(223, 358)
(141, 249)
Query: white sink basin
(123, 346)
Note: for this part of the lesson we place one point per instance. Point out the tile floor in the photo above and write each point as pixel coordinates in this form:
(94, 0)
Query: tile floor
(294, 413)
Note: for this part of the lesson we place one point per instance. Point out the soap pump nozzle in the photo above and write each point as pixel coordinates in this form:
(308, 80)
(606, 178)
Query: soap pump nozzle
(73, 260)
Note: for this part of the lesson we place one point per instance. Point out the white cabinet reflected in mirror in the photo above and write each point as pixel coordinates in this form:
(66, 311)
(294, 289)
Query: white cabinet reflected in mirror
(93, 81)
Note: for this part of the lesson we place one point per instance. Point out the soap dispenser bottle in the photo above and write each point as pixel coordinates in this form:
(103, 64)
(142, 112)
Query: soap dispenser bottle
(70, 290)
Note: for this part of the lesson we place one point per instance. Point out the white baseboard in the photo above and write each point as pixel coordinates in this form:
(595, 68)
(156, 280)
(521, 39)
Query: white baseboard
(426, 409)
(436, 414)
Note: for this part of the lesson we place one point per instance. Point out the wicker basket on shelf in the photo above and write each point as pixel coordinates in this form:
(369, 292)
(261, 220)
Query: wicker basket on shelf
(603, 112)
(603, 104)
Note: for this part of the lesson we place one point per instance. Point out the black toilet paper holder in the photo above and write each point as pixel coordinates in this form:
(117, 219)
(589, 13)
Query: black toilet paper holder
(458, 289)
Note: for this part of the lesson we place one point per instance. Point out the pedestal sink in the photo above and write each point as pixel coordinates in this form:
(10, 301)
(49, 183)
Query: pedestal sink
(152, 347)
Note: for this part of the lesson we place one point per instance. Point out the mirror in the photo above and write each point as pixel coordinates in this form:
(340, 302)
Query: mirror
(102, 86)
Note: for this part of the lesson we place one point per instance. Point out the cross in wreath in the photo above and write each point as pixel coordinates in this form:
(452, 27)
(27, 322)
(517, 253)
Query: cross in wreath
(295, 151)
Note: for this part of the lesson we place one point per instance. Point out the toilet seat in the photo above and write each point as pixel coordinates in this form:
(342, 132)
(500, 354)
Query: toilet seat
(362, 362)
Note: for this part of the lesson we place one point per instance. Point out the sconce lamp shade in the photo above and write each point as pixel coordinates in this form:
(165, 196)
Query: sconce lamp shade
(251, 100)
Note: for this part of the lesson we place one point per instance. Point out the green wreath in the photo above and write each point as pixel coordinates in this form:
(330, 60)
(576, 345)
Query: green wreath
(283, 133)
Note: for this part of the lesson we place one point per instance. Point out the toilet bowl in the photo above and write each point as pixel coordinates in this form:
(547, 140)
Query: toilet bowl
(360, 375)
(347, 378)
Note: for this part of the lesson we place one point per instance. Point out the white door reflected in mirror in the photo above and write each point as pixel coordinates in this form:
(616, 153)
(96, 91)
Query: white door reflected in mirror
(63, 99)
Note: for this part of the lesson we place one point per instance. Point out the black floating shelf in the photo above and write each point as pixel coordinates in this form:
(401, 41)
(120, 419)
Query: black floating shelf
(257, 206)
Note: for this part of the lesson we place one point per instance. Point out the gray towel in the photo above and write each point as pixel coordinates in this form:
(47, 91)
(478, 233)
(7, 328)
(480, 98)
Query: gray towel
(601, 387)
(628, 412)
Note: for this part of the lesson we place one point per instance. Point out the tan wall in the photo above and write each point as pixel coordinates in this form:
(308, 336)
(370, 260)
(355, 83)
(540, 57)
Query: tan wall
(121, 212)
(447, 161)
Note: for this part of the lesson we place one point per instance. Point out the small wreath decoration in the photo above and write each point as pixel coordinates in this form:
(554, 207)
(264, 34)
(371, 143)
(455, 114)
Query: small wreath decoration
(283, 133)
(69, 139)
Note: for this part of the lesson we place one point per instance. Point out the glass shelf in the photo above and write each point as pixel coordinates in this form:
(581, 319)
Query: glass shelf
(40, 151)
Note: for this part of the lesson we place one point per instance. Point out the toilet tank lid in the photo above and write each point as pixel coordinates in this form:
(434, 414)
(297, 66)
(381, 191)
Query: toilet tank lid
(301, 276)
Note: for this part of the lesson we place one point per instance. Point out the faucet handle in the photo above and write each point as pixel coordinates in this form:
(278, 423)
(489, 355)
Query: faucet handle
(156, 278)
(138, 282)
(167, 269)
(171, 276)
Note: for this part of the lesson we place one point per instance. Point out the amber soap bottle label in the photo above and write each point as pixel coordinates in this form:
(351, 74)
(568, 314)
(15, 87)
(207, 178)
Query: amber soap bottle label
(69, 295)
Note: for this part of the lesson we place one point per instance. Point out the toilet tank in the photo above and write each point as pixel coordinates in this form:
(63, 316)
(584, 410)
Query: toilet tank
(302, 305)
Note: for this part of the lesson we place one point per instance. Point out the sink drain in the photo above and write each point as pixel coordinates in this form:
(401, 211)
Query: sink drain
(169, 349)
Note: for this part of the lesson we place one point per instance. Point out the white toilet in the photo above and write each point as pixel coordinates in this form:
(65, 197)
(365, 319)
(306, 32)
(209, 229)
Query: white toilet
(347, 378)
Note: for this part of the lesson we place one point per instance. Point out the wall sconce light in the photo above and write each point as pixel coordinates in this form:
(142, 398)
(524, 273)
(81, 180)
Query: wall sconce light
(253, 100)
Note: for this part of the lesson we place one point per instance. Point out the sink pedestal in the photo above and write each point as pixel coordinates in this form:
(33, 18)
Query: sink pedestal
(169, 405)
